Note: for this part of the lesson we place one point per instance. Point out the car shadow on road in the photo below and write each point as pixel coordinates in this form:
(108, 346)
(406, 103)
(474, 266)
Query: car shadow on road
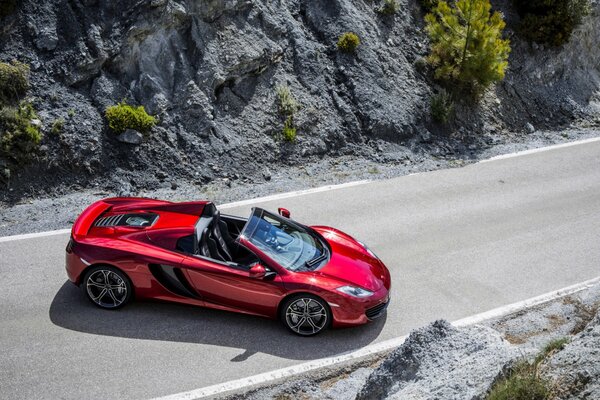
(181, 323)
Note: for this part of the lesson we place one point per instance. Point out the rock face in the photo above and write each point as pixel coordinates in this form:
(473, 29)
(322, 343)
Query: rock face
(576, 368)
(209, 69)
(440, 361)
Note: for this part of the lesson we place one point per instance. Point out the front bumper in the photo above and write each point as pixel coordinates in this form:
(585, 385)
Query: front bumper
(354, 311)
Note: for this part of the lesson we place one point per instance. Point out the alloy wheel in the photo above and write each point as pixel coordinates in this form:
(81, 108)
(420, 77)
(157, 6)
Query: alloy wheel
(106, 288)
(306, 316)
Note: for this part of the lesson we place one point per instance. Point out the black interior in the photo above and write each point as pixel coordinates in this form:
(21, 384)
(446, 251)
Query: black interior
(215, 237)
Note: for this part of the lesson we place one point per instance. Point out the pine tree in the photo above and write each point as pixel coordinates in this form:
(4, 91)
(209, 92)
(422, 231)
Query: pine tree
(466, 43)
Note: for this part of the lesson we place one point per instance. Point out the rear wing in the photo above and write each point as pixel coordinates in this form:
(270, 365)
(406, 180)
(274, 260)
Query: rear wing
(85, 221)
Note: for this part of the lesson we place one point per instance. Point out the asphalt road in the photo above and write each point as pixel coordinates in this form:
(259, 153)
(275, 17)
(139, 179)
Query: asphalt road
(458, 242)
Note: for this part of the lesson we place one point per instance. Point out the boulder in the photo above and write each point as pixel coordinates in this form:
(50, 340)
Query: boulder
(440, 361)
(130, 136)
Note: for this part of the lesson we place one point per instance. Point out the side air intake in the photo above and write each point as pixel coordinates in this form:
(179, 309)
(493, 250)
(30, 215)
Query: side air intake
(173, 280)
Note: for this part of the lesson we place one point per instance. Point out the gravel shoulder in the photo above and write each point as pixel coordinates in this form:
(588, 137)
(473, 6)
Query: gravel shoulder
(59, 211)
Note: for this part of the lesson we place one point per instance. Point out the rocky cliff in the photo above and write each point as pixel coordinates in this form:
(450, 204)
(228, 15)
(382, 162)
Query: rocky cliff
(208, 70)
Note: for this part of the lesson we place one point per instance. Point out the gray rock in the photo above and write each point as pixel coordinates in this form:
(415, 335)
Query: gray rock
(209, 70)
(47, 39)
(130, 136)
(529, 128)
(267, 174)
(576, 368)
(440, 361)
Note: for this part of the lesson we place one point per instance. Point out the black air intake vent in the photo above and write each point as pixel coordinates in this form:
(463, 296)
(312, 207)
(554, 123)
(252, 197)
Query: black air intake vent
(140, 220)
(173, 280)
(377, 311)
(113, 220)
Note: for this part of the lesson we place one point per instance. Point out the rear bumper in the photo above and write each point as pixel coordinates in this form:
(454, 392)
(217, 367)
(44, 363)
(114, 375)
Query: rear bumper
(74, 266)
(353, 311)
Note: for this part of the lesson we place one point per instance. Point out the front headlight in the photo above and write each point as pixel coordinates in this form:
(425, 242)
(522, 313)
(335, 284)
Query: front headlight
(354, 291)
(368, 249)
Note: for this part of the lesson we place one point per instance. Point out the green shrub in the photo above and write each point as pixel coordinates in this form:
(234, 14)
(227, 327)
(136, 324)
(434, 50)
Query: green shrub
(442, 107)
(552, 347)
(466, 44)
(523, 383)
(287, 103)
(550, 21)
(428, 5)
(348, 42)
(288, 106)
(124, 116)
(389, 7)
(289, 131)
(57, 126)
(7, 7)
(20, 138)
(14, 81)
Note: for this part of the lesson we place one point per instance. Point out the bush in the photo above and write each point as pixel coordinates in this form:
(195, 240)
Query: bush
(466, 43)
(442, 107)
(287, 103)
(20, 138)
(522, 384)
(289, 131)
(550, 21)
(57, 126)
(288, 106)
(348, 42)
(124, 116)
(428, 5)
(389, 7)
(14, 81)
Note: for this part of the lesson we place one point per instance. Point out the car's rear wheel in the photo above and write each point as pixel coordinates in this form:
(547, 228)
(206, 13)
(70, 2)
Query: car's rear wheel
(107, 287)
(306, 315)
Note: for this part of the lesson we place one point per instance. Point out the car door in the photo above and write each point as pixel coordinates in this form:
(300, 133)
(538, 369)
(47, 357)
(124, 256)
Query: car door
(230, 285)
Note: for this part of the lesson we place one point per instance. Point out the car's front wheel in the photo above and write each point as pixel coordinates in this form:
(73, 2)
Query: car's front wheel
(306, 315)
(107, 287)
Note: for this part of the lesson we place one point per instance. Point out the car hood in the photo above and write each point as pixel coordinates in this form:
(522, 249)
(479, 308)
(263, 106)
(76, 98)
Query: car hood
(350, 262)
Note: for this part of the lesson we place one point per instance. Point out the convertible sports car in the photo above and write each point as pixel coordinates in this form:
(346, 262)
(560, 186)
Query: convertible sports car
(266, 265)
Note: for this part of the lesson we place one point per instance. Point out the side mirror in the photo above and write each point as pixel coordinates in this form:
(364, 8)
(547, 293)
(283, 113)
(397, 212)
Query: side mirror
(257, 271)
(284, 212)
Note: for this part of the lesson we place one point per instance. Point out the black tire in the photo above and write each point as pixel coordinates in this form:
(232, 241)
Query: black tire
(312, 309)
(110, 295)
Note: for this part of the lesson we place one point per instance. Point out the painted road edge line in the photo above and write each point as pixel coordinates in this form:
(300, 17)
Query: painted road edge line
(387, 345)
(278, 196)
(33, 235)
(540, 149)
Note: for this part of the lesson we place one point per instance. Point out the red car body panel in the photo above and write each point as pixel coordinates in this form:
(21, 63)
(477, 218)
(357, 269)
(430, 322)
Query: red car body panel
(134, 250)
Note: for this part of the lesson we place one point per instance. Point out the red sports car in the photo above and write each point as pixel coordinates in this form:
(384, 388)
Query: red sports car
(267, 265)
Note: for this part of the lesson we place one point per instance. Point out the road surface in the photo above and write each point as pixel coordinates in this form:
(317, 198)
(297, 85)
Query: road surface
(457, 242)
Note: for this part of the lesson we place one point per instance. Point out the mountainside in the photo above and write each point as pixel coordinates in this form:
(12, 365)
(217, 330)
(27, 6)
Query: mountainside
(209, 71)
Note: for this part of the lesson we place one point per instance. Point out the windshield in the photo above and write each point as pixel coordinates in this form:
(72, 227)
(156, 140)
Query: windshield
(290, 245)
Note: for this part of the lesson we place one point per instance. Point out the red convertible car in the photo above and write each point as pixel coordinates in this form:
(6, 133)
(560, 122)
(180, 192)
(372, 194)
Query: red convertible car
(267, 265)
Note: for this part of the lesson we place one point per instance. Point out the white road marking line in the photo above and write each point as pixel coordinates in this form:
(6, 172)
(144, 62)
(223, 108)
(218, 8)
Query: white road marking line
(541, 149)
(278, 196)
(33, 235)
(296, 193)
(381, 347)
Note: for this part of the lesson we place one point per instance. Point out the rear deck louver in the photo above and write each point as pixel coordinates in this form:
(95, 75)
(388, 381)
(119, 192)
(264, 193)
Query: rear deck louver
(113, 220)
